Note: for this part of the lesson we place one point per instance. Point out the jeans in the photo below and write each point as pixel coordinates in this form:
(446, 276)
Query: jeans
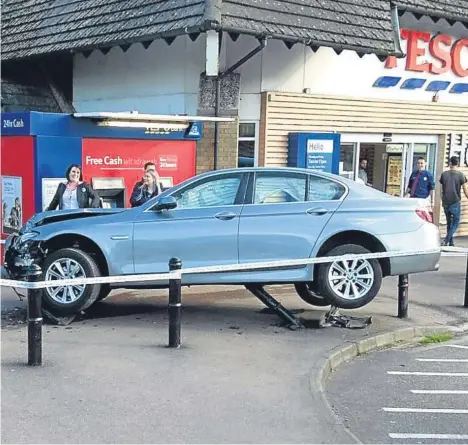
(452, 214)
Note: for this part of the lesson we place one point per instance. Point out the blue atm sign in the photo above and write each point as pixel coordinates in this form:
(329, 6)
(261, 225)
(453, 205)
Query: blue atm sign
(15, 124)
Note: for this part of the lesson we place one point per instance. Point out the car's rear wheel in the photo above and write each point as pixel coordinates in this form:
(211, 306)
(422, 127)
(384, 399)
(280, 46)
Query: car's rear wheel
(349, 284)
(104, 292)
(69, 263)
(307, 293)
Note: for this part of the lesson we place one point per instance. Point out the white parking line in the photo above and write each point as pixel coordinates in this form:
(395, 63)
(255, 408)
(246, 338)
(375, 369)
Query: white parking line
(457, 346)
(426, 410)
(445, 374)
(443, 360)
(437, 391)
(429, 436)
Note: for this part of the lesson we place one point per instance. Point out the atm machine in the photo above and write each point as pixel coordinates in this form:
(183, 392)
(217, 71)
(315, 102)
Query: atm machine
(166, 183)
(111, 191)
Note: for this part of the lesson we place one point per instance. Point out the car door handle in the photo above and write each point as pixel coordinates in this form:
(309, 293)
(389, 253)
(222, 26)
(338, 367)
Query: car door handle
(317, 211)
(225, 216)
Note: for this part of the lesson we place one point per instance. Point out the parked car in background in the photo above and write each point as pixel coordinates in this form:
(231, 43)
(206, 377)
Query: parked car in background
(234, 216)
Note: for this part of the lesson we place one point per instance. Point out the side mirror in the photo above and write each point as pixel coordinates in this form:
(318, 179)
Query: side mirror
(165, 203)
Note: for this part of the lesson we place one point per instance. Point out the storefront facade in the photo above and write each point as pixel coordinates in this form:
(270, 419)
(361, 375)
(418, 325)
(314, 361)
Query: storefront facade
(389, 112)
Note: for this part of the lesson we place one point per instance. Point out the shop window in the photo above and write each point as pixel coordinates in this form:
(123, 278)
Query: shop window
(247, 144)
(322, 189)
(279, 188)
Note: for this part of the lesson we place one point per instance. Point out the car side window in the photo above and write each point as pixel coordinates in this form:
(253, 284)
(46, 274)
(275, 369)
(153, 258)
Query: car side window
(277, 188)
(212, 193)
(323, 189)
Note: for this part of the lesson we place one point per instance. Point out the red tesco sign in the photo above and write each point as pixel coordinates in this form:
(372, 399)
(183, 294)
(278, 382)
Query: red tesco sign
(441, 47)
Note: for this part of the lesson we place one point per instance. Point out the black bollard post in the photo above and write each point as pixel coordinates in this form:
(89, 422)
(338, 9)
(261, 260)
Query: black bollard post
(175, 304)
(403, 284)
(465, 304)
(34, 317)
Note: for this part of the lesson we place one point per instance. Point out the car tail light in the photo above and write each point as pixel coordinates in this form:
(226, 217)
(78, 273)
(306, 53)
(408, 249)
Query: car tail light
(426, 214)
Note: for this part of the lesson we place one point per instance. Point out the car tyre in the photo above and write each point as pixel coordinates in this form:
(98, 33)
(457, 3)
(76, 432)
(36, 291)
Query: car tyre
(82, 265)
(307, 293)
(104, 292)
(360, 285)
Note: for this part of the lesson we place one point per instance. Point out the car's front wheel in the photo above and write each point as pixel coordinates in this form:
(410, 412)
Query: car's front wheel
(69, 263)
(349, 284)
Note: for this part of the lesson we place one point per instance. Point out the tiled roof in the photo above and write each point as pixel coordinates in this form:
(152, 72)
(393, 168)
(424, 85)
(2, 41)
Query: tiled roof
(38, 27)
(26, 97)
(365, 25)
(450, 9)
(35, 27)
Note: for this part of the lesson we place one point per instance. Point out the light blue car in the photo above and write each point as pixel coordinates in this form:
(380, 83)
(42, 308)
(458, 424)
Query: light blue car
(235, 216)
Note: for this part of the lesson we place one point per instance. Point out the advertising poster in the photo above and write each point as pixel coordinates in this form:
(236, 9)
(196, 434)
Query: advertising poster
(118, 158)
(394, 168)
(320, 154)
(12, 204)
(49, 187)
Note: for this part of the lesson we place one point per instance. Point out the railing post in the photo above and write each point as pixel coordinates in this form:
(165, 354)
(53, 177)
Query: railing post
(465, 304)
(403, 284)
(33, 275)
(175, 304)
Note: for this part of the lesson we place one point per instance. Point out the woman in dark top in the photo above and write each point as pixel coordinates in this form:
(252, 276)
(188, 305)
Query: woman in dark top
(74, 194)
(148, 189)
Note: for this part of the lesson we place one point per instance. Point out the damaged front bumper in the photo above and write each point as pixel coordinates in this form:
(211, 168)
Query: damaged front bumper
(21, 251)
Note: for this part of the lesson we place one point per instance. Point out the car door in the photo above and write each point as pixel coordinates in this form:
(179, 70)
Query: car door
(201, 231)
(284, 214)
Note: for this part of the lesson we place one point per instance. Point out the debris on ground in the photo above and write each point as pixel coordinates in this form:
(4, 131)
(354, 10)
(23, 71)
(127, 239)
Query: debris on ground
(14, 317)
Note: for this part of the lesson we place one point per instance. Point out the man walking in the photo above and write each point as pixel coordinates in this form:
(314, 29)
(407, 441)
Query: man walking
(452, 181)
(421, 183)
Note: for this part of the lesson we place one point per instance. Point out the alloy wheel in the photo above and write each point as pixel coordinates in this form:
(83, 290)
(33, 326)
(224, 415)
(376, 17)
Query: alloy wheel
(65, 268)
(351, 279)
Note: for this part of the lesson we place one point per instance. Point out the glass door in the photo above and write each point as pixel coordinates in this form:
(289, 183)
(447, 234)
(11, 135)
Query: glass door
(348, 160)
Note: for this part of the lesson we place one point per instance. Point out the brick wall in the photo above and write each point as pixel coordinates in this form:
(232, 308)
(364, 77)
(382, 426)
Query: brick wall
(228, 131)
(227, 154)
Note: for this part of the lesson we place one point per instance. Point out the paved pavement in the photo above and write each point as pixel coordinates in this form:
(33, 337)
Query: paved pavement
(410, 395)
(239, 378)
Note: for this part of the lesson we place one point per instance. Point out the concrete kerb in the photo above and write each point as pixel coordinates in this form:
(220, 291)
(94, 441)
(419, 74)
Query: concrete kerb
(321, 372)
(406, 335)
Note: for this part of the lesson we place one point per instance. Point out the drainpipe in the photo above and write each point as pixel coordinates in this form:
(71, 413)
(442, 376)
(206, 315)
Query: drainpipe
(396, 31)
(219, 78)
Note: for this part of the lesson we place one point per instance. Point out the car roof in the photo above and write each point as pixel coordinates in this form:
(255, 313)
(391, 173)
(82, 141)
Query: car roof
(269, 169)
(348, 182)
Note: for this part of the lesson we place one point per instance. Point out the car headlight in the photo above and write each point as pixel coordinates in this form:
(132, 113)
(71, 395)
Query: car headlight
(28, 226)
(25, 237)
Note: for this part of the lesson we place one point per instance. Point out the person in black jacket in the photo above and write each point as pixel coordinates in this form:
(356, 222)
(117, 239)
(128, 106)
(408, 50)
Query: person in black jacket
(74, 194)
(149, 188)
(149, 167)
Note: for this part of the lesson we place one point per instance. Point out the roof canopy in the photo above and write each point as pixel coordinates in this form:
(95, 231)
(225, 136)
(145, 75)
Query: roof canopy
(41, 27)
(451, 10)
(135, 116)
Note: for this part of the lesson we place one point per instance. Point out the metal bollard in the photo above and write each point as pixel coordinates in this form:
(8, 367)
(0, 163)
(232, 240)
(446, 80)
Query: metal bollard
(465, 304)
(403, 284)
(175, 304)
(34, 317)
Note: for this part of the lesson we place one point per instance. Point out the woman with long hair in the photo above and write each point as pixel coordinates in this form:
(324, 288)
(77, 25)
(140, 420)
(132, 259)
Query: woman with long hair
(147, 190)
(74, 194)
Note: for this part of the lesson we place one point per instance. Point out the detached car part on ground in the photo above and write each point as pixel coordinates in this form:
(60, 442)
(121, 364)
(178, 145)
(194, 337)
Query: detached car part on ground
(234, 216)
